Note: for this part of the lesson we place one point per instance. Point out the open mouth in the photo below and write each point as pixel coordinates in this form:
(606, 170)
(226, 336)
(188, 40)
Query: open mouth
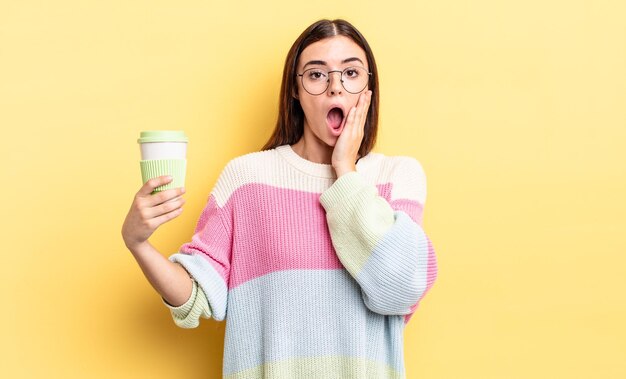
(335, 118)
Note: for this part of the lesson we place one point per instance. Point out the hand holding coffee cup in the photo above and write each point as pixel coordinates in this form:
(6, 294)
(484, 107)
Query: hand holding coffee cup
(150, 210)
(163, 152)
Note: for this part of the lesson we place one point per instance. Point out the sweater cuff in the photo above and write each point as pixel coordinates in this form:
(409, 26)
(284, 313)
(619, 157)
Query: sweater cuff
(183, 310)
(346, 187)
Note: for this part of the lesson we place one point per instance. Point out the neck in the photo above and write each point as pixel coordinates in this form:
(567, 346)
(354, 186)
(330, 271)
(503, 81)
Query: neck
(313, 152)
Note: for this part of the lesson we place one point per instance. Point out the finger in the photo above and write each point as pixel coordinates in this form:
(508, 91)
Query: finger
(164, 208)
(153, 183)
(359, 113)
(367, 99)
(354, 113)
(165, 196)
(362, 105)
(157, 221)
(349, 125)
(362, 100)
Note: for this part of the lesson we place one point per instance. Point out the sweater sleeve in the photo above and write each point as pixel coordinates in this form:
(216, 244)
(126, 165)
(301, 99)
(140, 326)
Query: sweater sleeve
(207, 256)
(188, 315)
(384, 249)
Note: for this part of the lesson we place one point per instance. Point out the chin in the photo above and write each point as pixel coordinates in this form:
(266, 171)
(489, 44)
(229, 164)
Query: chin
(331, 142)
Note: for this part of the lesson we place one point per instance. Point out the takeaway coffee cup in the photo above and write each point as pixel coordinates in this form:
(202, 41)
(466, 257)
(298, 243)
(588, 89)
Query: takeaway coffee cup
(163, 152)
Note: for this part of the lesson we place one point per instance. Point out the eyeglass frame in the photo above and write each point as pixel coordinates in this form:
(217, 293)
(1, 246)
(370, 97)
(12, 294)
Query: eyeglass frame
(328, 79)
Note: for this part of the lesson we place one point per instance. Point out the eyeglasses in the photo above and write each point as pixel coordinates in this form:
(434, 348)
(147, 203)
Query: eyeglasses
(316, 81)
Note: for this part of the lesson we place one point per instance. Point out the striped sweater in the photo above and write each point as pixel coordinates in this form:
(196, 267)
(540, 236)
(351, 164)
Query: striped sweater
(315, 276)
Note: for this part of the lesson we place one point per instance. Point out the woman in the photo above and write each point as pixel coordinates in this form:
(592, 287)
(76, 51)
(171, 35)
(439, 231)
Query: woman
(312, 249)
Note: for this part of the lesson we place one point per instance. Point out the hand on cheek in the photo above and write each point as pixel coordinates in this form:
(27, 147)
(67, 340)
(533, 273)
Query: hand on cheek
(347, 147)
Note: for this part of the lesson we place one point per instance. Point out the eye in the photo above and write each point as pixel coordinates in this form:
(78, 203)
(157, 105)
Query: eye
(351, 73)
(316, 75)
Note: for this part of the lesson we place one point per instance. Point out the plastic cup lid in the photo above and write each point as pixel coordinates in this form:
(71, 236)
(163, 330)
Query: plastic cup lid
(162, 136)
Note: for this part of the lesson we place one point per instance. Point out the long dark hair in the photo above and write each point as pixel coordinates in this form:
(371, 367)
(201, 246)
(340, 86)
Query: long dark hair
(290, 124)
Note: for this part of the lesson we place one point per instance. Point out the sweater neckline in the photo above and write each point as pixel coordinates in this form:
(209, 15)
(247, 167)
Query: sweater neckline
(308, 167)
(319, 170)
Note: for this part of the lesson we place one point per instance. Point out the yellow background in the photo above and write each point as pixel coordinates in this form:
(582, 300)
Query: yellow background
(515, 109)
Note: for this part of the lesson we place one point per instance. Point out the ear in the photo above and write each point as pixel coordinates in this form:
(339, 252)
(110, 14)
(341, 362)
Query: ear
(294, 93)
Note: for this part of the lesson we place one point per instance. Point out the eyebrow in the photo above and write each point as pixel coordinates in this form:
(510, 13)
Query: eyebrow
(324, 63)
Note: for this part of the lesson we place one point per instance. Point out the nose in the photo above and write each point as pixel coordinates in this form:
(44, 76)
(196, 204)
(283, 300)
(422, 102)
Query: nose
(335, 86)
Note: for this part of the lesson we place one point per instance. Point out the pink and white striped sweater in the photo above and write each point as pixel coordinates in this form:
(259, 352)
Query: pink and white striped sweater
(315, 276)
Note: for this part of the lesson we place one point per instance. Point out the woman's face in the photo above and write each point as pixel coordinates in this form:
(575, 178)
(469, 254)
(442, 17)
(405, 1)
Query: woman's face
(325, 114)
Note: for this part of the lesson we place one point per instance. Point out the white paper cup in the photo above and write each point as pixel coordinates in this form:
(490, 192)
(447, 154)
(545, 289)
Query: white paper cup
(163, 152)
